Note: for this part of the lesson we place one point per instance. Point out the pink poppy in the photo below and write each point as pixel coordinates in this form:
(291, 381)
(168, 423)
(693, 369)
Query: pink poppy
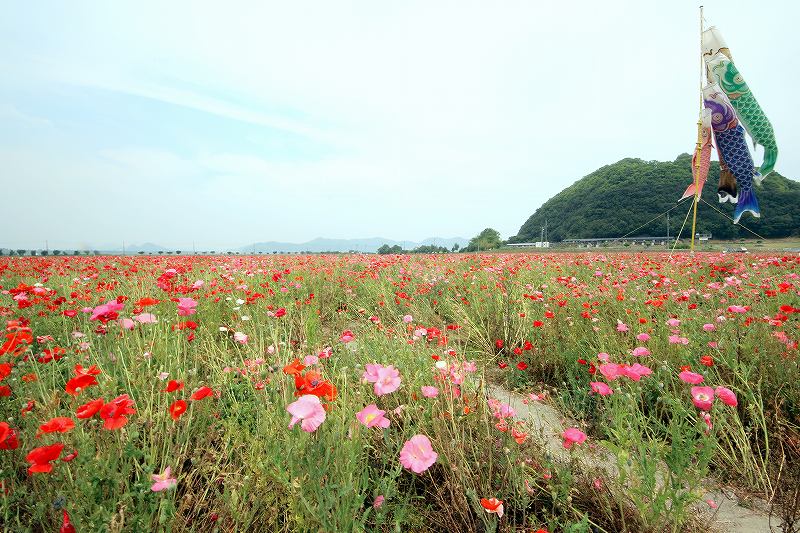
(347, 336)
(163, 481)
(621, 326)
(430, 392)
(727, 396)
(146, 318)
(603, 357)
(639, 370)
(408, 319)
(186, 306)
(370, 374)
(673, 322)
(610, 371)
(501, 410)
(601, 388)
(105, 310)
(388, 380)
(126, 323)
(573, 436)
(417, 454)
(737, 309)
(702, 397)
(307, 409)
(707, 420)
(372, 417)
(690, 377)
(640, 351)
(642, 337)
(709, 327)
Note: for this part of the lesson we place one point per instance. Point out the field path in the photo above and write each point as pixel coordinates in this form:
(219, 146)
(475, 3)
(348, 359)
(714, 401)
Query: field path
(547, 422)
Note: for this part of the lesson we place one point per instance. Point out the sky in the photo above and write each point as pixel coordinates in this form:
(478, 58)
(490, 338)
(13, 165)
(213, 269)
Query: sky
(223, 124)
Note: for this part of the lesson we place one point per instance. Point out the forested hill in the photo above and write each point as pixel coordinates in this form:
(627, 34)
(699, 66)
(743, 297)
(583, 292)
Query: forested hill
(615, 199)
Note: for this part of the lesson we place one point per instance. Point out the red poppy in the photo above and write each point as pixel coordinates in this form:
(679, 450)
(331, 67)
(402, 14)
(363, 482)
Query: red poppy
(492, 505)
(66, 526)
(312, 383)
(91, 371)
(522, 365)
(294, 368)
(499, 344)
(280, 312)
(518, 435)
(10, 441)
(52, 354)
(707, 360)
(70, 457)
(173, 386)
(78, 383)
(27, 409)
(5, 370)
(5, 431)
(88, 410)
(202, 392)
(177, 408)
(189, 324)
(59, 424)
(114, 412)
(144, 302)
(40, 457)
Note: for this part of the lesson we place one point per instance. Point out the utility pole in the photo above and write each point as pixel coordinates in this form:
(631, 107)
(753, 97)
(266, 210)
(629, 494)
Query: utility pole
(194, 251)
(667, 226)
(545, 231)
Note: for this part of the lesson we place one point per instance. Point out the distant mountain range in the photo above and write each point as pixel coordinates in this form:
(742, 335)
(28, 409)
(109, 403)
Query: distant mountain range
(369, 245)
(148, 248)
(346, 245)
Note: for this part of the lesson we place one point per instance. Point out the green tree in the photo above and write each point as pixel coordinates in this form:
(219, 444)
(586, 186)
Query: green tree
(628, 196)
(488, 239)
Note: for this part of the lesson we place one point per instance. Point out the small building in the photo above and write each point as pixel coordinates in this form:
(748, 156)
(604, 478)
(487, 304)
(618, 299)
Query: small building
(537, 244)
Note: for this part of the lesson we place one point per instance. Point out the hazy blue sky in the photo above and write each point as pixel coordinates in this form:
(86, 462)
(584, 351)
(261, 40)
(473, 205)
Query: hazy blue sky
(226, 123)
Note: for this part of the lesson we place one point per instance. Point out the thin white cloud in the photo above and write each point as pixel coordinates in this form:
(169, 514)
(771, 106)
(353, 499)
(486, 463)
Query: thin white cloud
(11, 113)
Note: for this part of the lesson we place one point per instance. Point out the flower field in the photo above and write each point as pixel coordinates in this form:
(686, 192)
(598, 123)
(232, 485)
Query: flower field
(360, 392)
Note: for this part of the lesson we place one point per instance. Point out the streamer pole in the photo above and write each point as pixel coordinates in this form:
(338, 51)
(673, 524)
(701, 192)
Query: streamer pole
(696, 169)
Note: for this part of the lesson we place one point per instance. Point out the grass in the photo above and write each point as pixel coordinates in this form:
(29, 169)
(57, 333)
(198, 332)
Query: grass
(239, 466)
